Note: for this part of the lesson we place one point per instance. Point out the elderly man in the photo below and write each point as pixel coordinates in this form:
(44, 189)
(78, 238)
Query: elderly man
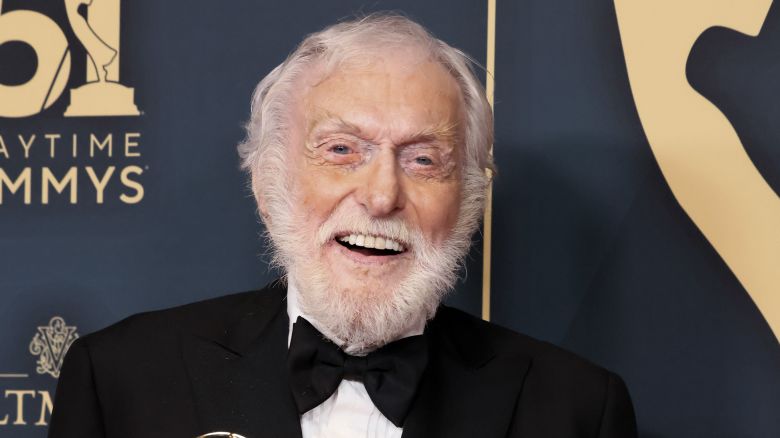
(367, 150)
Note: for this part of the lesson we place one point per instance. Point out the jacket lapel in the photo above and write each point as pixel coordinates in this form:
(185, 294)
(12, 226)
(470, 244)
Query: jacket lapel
(468, 389)
(239, 376)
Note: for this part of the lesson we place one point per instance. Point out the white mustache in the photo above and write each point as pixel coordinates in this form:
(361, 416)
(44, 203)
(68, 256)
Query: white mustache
(342, 222)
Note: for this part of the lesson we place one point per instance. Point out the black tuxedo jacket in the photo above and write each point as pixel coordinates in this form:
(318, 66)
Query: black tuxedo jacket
(220, 365)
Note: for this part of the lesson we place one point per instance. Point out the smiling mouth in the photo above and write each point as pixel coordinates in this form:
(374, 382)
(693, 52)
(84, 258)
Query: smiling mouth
(371, 245)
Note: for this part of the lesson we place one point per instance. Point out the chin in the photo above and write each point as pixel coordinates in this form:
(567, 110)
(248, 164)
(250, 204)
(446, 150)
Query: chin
(364, 275)
(361, 311)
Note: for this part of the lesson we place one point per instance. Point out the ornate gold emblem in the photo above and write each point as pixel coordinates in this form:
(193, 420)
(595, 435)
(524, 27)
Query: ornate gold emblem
(50, 344)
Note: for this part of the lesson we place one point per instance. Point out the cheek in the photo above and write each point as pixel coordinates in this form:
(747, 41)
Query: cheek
(438, 210)
(318, 191)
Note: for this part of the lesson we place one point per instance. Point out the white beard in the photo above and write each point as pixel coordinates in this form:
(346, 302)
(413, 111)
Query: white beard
(355, 318)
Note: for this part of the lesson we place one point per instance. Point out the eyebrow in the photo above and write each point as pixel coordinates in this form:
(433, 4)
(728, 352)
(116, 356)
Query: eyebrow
(445, 132)
(331, 122)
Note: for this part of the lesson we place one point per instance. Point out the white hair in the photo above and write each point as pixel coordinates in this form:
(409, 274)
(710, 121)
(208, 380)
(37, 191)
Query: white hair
(262, 152)
(264, 155)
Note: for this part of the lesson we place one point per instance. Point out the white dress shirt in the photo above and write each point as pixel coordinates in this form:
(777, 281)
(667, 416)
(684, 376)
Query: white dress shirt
(349, 412)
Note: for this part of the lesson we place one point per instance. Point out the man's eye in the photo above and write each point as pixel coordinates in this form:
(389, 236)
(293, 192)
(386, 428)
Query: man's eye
(425, 161)
(341, 149)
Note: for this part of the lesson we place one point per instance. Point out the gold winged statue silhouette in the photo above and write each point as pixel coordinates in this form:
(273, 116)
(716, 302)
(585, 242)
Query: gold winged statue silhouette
(103, 95)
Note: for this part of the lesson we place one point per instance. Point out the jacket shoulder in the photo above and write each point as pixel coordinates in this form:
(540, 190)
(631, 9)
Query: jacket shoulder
(208, 318)
(132, 378)
(504, 341)
(563, 394)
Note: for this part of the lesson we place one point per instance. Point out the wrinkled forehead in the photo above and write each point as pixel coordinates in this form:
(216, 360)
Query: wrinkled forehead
(403, 87)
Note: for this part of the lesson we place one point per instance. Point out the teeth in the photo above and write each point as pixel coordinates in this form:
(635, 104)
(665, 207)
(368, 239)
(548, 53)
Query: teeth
(368, 241)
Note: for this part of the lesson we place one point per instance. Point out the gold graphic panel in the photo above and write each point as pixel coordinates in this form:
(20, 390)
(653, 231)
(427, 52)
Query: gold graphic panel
(487, 220)
(696, 147)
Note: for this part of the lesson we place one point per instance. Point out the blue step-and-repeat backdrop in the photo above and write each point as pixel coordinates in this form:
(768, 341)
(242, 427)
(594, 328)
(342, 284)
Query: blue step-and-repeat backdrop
(636, 217)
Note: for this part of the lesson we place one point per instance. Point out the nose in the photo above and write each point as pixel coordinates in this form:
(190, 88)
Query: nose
(381, 193)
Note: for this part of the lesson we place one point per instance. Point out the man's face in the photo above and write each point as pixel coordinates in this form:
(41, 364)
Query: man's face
(365, 217)
(381, 140)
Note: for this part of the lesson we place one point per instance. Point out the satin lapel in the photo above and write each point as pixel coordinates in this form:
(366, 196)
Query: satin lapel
(468, 390)
(239, 379)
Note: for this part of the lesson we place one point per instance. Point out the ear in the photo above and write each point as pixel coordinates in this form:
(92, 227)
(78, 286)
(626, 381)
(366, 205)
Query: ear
(262, 207)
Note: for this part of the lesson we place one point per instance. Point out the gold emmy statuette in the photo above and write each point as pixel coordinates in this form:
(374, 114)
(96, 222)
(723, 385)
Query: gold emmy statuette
(220, 435)
(103, 95)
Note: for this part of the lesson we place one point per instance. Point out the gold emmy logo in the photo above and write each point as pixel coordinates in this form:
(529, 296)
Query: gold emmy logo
(102, 95)
(50, 344)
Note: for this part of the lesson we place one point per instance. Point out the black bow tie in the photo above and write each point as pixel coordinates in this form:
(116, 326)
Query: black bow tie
(390, 374)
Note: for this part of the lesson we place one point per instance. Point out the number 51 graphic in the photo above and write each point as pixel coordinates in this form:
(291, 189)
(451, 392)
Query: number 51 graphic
(103, 95)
